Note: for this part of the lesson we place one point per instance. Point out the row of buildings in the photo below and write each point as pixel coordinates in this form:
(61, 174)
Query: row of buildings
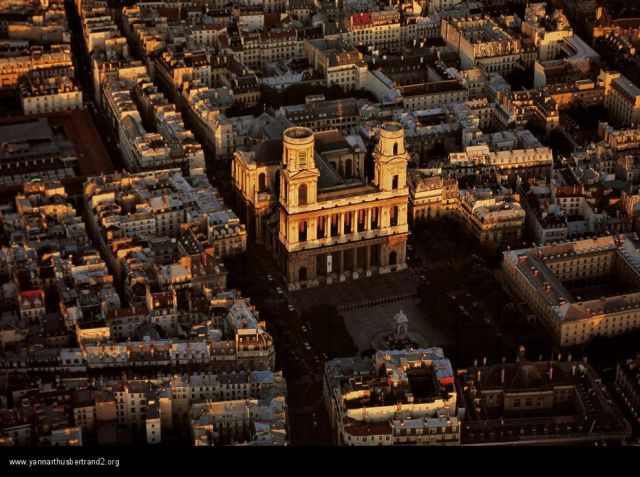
(414, 397)
(220, 409)
(136, 283)
(165, 308)
(35, 61)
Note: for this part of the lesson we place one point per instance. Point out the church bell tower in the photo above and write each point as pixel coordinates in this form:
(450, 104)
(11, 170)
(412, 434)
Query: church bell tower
(390, 158)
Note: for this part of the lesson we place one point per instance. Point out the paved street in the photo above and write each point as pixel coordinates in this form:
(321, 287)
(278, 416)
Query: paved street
(303, 368)
(83, 74)
(357, 291)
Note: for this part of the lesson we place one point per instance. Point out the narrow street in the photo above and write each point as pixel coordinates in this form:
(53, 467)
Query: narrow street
(82, 64)
(300, 364)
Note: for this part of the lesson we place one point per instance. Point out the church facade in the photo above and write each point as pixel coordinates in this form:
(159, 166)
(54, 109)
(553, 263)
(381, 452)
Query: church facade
(323, 219)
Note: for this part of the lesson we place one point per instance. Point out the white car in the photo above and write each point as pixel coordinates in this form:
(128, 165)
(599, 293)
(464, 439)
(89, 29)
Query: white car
(307, 346)
(291, 308)
(304, 329)
(270, 278)
(279, 291)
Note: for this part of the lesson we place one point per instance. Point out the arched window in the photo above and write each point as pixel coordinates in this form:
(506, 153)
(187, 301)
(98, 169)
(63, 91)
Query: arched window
(302, 274)
(348, 168)
(395, 148)
(302, 231)
(302, 194)
(262, 182)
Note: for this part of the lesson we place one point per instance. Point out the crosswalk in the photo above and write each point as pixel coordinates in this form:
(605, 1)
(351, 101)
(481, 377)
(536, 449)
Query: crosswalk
(378, 301)
(308, 379)
(302, 410)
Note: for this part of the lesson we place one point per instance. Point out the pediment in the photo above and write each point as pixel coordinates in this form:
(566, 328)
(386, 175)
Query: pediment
(304, 174)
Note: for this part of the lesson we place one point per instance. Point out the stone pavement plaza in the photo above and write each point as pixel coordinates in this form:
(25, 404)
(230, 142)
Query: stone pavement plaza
(369, 305)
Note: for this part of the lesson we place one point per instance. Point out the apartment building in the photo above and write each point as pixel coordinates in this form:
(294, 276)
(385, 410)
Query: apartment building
(323, 115)
(621, 98)
(337, 63)
(488, 43)
(49, 95)
(568, 400)
(544, 278)
(490, 218)
(377, 401)
(51, 62)
(626, 385)
(431, 195)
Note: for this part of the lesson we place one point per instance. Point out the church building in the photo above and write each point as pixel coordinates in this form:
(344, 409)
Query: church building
(318, 213)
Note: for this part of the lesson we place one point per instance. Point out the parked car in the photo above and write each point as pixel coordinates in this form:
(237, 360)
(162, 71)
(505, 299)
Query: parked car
(307, 346)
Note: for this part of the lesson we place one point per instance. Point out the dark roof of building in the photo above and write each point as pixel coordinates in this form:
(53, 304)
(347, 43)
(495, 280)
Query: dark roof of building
(269, 152)
(332, 140)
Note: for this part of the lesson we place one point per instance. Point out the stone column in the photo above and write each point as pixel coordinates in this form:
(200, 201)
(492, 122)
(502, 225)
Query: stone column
(341, 267)
(367, 224)
(341, 224)
(327, 226)
(312, 229)
(293, 232)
